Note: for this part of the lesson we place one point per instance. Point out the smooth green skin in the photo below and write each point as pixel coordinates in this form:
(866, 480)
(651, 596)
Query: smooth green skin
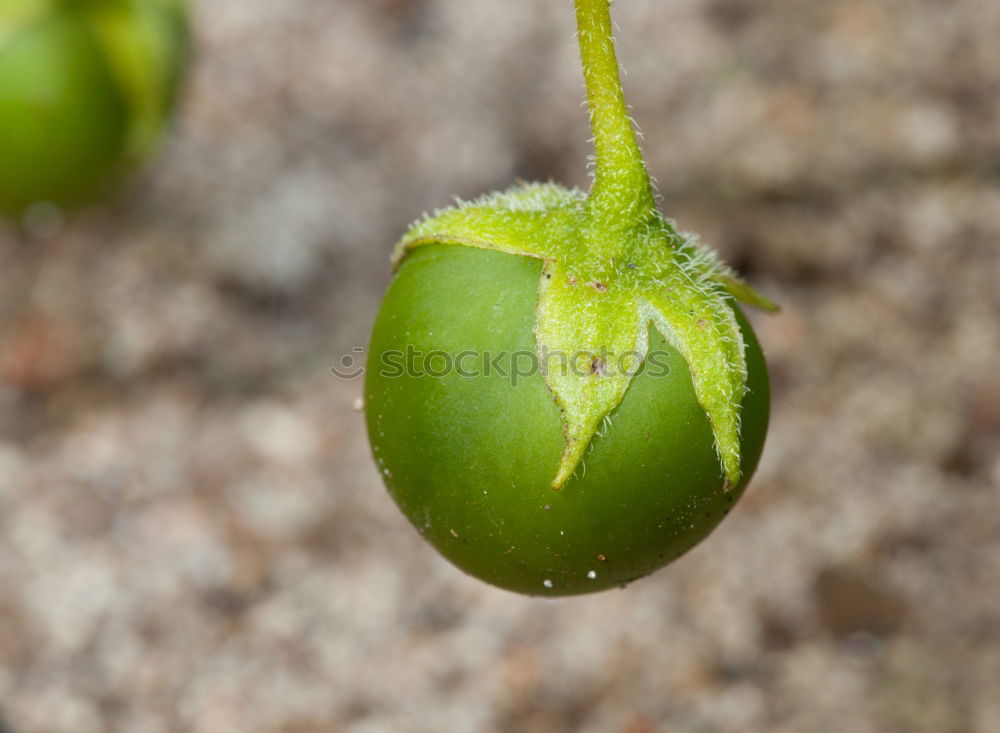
(62, 119)
(469, 460)
(68, 117)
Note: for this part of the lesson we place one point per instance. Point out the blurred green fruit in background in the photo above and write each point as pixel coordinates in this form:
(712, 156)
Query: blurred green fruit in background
(85, 86)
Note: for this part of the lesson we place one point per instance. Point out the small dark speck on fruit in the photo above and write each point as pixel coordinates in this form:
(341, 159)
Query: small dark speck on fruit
(599, 287)
(631, 265)
(597, 366)
(571, 280)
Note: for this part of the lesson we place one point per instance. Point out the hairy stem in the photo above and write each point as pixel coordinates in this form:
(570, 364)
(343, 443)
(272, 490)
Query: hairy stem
(622, 193)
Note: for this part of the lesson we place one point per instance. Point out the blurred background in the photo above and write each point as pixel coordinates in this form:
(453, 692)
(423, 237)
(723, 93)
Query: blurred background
(193, 536)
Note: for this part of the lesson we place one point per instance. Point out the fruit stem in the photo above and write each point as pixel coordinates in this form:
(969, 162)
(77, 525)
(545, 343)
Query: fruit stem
(622, 193)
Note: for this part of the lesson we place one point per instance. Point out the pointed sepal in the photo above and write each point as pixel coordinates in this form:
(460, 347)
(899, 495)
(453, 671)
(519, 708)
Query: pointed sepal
(591, 343)
(532, 220)
(702, 326)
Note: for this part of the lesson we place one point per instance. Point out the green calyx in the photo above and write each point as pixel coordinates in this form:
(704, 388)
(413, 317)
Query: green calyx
(146, 46)
(612, 265)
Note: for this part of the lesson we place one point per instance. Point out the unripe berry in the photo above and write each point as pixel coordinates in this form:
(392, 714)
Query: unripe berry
(645, 412)
(85, 87)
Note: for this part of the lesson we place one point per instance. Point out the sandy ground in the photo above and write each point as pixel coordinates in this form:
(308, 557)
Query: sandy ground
(193, 536)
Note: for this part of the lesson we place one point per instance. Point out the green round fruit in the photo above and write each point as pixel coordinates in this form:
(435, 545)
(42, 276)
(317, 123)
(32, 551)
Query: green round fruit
(469, 456)
(85, 87)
